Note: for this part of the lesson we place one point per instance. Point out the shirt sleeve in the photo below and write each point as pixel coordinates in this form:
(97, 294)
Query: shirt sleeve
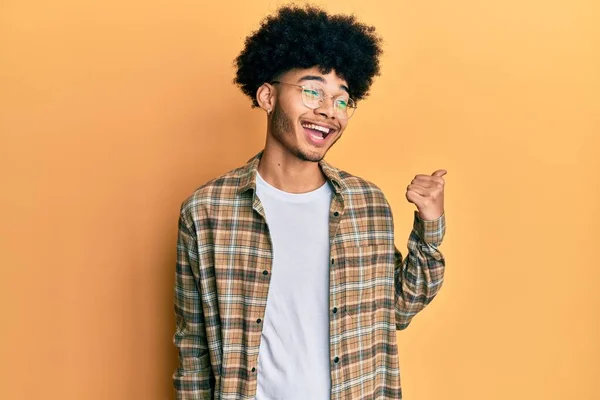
(419, 276)
(192, 379)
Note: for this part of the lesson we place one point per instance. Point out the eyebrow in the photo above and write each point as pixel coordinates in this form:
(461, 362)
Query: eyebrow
(320, 79)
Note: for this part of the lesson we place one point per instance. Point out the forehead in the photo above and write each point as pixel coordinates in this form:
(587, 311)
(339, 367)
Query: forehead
(331, 81)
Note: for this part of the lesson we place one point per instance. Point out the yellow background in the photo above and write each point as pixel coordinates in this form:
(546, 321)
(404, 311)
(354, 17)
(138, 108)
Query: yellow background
(112, 112)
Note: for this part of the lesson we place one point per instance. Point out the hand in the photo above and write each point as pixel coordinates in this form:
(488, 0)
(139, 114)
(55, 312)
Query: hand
(427, 193)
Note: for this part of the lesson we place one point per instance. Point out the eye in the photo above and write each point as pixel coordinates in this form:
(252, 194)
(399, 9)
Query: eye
(341, 104)
(312, 93)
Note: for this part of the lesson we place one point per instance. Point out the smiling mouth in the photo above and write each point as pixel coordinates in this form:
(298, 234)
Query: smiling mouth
(317, 131)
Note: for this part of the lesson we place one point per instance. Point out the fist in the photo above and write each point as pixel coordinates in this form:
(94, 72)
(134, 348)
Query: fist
(427, 193)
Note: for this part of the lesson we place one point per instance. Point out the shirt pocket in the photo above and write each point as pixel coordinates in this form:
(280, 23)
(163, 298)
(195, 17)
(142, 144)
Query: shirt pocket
(193, 365)
(367, 277)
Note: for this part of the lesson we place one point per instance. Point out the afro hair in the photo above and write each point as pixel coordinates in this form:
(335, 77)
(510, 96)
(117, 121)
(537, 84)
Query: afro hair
(306, 37)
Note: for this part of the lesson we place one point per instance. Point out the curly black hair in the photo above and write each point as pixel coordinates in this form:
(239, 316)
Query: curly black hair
(306, 37)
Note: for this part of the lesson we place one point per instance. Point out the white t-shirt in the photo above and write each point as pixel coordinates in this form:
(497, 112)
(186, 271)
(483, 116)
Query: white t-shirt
(293, 359)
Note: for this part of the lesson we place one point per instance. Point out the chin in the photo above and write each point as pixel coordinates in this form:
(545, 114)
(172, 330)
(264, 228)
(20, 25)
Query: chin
(312, 156)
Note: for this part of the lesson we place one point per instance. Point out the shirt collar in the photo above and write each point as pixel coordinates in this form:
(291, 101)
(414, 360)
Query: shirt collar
(248, 175)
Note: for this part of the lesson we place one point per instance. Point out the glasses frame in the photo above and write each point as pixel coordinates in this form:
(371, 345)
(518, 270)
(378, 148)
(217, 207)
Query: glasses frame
(325, 96)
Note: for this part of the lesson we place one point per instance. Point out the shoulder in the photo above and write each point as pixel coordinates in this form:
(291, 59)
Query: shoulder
(366, 203)
(214, 192)
(358, 186)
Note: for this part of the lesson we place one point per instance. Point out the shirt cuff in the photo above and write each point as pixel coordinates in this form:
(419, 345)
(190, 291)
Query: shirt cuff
(430, 231)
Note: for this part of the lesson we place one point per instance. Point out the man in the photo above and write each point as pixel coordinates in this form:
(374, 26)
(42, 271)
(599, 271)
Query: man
(288, 283)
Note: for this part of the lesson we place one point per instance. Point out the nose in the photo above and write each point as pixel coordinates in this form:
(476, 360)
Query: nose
(326, 108)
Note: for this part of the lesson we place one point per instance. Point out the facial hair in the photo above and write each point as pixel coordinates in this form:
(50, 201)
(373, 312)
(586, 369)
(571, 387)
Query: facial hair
(284, 131)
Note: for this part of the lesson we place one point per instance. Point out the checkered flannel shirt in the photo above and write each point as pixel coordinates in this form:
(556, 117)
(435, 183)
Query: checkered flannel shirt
(223, 271)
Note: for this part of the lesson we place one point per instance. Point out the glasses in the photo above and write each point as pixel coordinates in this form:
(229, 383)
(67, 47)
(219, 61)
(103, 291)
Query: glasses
(313, 96)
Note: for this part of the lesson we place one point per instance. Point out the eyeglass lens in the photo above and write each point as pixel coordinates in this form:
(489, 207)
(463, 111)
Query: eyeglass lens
(314, 96)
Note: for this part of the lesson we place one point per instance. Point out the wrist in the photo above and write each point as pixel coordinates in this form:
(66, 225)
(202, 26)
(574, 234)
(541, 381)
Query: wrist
(430, 215)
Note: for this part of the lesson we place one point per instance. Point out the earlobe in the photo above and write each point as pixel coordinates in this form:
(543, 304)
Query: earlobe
(264, 97)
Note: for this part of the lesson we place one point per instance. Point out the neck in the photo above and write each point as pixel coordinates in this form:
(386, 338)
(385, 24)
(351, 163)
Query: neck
(288, 173)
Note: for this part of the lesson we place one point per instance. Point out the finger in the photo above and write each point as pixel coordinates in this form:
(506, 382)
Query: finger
(423, 176)
(420, 190)
(440, 173)
(426, 183)
(428, 179)
(413, 197)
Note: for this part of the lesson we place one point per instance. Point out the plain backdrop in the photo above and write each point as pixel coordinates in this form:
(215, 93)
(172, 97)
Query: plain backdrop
(112, 112)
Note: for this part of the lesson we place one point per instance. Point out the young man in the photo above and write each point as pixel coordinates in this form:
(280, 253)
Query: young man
(288, 283)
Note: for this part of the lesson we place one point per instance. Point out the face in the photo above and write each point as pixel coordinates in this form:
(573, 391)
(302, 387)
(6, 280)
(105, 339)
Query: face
(301, 131)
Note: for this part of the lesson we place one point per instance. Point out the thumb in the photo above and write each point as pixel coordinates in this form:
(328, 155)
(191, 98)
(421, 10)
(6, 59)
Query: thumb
(440, 172)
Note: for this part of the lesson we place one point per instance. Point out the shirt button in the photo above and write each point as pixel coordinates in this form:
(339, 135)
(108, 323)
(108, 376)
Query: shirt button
(336, 214)
(332, 261)
(336, 360)
(334, 310)
(265, 272)
(258, 321)
(253, 369)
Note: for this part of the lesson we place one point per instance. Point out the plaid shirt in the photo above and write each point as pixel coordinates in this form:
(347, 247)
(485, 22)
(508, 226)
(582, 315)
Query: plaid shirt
(224, 260)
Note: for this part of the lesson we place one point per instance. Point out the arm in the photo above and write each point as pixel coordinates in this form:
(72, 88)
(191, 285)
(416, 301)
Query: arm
(192, 380)
(419, 276)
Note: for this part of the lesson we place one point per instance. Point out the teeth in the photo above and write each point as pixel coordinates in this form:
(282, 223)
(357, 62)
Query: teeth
(317, 128)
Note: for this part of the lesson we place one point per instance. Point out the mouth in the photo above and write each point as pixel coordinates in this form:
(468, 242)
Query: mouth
(317, 133)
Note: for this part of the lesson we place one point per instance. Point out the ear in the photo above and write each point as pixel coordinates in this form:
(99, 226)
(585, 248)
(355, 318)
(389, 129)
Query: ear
(265, 96)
